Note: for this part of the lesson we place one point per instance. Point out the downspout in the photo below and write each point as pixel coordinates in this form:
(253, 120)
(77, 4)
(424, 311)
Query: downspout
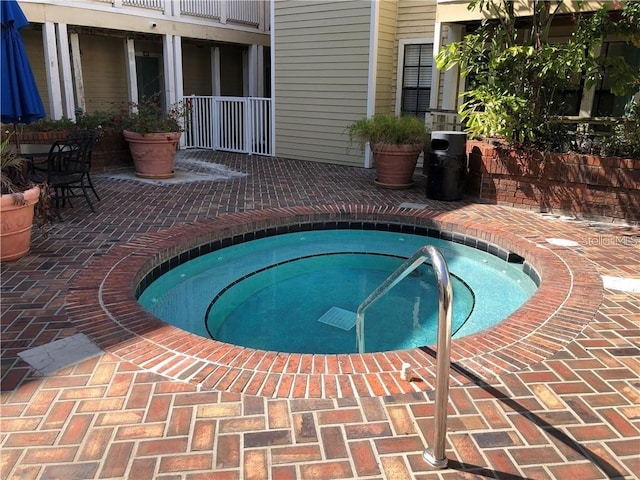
(272, 21)
(373, 63)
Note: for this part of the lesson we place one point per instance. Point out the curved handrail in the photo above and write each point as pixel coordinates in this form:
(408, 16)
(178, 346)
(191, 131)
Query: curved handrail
(435, 455)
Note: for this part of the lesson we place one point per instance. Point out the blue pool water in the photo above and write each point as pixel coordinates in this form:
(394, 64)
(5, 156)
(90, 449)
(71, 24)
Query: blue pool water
(273, 293)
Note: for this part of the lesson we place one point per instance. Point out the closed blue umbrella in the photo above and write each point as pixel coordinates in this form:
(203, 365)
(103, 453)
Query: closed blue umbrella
(21, 102)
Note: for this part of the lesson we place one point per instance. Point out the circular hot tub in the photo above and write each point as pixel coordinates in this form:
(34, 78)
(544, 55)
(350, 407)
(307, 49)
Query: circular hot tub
(103, 304)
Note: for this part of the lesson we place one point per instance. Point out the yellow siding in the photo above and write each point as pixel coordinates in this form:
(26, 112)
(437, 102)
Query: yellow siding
(104, 71)
(386, 68)
(457, 11)
(197, 62)
(322, 62)
(416, 20)
(32, 38)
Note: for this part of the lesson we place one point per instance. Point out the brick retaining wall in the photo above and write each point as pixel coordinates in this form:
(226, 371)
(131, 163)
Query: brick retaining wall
(572, 183)
(111, 151)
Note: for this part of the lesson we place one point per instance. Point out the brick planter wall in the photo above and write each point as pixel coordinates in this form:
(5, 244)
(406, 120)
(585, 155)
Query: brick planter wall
(572, 183)
(111, 152)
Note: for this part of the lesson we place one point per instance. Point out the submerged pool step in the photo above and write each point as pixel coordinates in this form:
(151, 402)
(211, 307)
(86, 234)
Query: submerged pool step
(339, 318)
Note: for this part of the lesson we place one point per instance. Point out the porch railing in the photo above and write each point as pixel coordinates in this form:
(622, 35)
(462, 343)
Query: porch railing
(232, 124)
(244, 12)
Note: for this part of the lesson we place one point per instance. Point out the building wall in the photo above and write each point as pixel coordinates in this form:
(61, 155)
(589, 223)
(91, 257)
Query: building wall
(197, 61)
(32, 38)
(457, 11)
(231, 76)
(321, 67)
(416, 20)
(103, 29)
(386, 57)
(104, 72)
(98, 14)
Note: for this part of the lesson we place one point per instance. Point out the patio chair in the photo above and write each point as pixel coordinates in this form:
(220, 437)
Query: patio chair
(91, 136)
(66, 172)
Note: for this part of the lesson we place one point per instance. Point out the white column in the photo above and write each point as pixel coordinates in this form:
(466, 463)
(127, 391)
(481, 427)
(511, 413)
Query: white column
(451, 82)
(78, 78)
(223, 11)
(52, 70)
(589, 94)
(177, 57)
(168, 65)
(252, 71)
(272, 93)
(132, 81)
(178, 77)
(215, 71)
(64, 56)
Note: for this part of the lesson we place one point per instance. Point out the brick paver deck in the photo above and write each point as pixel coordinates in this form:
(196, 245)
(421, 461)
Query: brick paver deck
(571, 411)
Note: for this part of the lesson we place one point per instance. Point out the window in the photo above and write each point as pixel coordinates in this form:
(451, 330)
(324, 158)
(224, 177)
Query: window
(416, 79)
(605, 103)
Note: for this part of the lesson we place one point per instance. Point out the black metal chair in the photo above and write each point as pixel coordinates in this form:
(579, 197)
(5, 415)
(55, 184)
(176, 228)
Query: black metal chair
(66, 173)
(92, 137)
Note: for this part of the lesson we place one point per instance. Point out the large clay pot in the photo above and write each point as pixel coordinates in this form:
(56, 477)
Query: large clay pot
(153, 153)
(395, 164)
(16, 219)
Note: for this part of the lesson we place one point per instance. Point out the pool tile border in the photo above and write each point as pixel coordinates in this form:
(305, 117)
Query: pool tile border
(102, 304)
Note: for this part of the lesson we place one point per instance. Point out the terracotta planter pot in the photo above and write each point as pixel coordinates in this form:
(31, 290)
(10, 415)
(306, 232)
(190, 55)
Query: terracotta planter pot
(15, 224)
(153, 153)
(395, 165)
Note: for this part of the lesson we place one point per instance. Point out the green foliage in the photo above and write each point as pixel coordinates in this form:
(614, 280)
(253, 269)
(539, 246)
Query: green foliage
(388, 129)
(100, 119)
(515, 75)
(14, 181)
(150, 117)
(49, 125)
(624, 139)
(12, 167)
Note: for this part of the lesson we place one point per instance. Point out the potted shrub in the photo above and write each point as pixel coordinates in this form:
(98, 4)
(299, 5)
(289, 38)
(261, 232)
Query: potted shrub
(21, 201)
(396, 143)
(153, 136)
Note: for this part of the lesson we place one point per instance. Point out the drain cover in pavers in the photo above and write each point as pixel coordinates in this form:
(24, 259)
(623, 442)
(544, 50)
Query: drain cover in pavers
(53, 356)
(340, 318)
(419, 206)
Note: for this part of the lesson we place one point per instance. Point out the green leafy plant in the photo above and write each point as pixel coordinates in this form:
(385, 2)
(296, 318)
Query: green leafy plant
(100, 119)
(14, 181)
(516, 75)
(388, 129)
(49, 125)
(623, 140)
(149, 117)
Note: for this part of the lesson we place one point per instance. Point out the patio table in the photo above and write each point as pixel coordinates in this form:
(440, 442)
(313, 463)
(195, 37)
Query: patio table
(34, 151)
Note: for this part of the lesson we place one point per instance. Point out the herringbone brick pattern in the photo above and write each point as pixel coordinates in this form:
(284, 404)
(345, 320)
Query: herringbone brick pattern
(574, 414)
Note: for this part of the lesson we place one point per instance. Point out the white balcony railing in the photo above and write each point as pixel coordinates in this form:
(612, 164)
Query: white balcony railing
(154, 4)
(242, 12)
(232, 124)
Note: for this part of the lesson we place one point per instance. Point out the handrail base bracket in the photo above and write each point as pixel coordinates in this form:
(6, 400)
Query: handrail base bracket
(430, 458)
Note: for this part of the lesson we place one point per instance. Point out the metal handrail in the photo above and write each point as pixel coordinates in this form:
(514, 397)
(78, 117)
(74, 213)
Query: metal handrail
(435, 455)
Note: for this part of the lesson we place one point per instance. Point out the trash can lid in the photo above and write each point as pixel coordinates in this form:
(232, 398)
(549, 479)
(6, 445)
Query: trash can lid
(454, 142)
(448, 132)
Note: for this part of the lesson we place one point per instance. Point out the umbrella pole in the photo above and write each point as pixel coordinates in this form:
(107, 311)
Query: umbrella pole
(15, 134)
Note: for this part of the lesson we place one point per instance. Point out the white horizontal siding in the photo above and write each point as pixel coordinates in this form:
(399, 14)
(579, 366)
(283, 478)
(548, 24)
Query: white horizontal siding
(321, 61)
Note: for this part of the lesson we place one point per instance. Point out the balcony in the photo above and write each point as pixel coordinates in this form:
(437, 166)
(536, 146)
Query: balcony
(248, 13)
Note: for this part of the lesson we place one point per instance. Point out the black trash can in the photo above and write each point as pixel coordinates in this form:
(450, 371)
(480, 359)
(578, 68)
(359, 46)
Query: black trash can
(447, 165)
